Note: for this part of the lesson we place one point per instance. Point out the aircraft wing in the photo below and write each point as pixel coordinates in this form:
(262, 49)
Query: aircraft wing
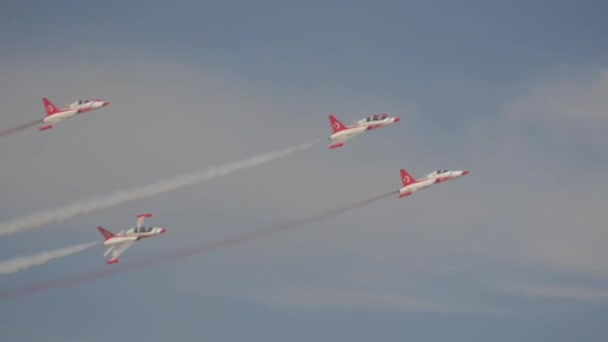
(340, 141)
(141, 218)
(118, 249)
(336, 144)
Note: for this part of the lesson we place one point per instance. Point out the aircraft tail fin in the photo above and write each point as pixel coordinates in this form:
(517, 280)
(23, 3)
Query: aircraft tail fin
(336, 125)
(49, 107)
(406, 178)
(106, 233)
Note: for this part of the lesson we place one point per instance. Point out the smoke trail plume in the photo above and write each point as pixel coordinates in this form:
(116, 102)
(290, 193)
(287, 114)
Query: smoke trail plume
(81, 207)
(184, 253)
(19, 128)
(23, 263)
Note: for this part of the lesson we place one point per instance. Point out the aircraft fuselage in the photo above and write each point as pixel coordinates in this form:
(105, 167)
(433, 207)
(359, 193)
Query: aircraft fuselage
(419, 185)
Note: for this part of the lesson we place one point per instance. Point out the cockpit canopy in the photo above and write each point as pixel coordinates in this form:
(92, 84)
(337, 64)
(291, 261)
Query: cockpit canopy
(142, 229)
(83, 101)
(376, 117)
(440, 171)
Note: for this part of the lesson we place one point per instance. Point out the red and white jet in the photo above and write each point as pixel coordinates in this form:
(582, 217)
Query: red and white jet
(411, 184)
(342, 133)
(54, 115)
(118, 243)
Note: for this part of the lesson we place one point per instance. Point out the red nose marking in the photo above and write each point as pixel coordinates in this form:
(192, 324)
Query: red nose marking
(397, 119)
(465, 172)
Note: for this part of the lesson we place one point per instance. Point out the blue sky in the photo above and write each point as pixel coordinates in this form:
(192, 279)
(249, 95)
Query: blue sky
(513, 91)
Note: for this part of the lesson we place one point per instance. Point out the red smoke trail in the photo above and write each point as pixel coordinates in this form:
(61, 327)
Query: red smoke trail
(184, 253)
(19, 128)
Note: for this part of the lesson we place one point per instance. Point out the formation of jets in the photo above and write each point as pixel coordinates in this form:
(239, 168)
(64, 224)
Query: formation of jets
(119, 242)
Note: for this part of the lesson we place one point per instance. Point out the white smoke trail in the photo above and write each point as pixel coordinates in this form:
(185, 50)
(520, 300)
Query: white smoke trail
(82, 207)
(19, 128)
(23, 263)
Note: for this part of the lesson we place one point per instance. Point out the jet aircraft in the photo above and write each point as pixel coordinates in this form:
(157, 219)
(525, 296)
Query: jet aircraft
(341, 133)
(118, 243)
(411, 184)
(55, 115)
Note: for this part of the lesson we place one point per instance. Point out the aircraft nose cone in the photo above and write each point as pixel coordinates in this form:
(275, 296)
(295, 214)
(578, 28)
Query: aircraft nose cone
(162, 230)
(465, 172)
(105, 103)
(397, 119)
